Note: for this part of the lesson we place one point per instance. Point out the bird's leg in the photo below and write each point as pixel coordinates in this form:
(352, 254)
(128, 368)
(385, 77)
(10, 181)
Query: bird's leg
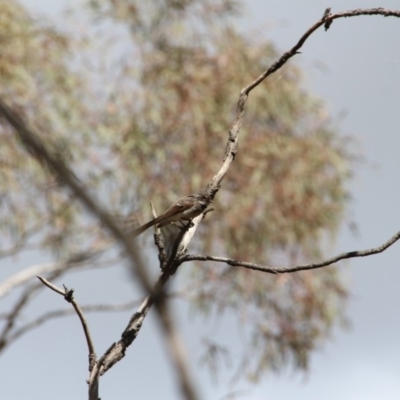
(183, 225)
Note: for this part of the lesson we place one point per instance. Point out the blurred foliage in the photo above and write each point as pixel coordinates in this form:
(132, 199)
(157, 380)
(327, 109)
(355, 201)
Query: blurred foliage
(140, 103)
(37, 80)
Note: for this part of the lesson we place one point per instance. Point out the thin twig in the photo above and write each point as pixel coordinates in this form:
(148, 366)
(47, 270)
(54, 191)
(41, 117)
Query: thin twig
(68, 296)
(51, 286)
(325, 21)
(304, 267)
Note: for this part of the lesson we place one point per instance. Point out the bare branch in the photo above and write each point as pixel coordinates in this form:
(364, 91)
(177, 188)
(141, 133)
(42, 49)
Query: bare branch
(304, 267)
(117, 350)
(68, 295)
(326, 20)
(51, 286)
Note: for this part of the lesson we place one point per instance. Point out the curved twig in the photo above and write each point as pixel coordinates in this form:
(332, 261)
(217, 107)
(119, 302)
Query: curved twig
(326, 21)
(304, 267)
(68, 295)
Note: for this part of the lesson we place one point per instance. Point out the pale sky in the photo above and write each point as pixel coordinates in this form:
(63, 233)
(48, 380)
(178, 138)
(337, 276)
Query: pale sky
(360, 77)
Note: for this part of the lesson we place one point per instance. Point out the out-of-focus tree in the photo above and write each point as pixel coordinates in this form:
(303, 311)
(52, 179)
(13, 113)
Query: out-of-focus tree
(152, 123)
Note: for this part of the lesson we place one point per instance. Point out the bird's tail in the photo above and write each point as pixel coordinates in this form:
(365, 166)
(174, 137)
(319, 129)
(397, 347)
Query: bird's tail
(141, 229)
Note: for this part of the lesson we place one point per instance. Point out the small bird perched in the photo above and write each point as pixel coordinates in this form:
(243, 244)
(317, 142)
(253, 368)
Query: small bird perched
(185, 209)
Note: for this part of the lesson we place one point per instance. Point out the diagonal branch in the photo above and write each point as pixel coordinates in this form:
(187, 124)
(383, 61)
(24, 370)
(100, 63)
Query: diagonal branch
(304, 267)
(326, 21)
(56, 166)
(117, 350)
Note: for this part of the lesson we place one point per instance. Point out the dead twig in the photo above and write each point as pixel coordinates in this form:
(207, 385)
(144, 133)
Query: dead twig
(304, 267)
(68, 295)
